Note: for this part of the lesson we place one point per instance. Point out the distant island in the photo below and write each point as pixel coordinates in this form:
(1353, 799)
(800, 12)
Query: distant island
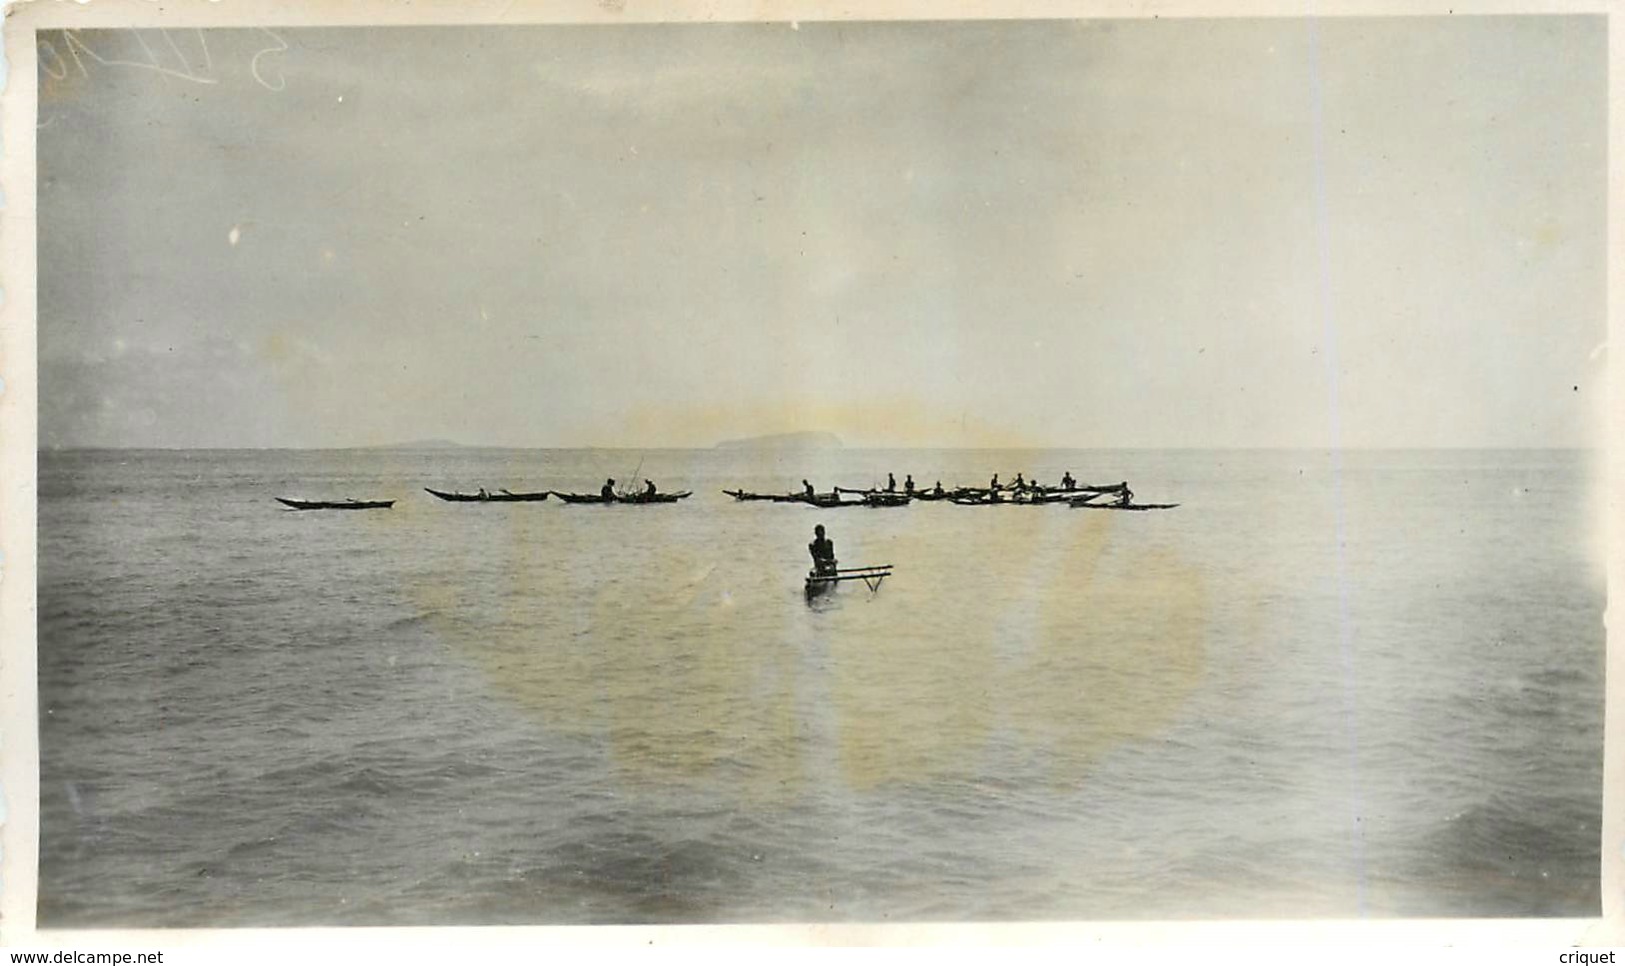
(784, 441)
(421, 444)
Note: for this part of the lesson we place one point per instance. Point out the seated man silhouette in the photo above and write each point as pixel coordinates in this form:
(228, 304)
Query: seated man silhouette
(823, 553)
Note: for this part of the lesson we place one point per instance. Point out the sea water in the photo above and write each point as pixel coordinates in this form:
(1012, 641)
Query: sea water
(1330, 685)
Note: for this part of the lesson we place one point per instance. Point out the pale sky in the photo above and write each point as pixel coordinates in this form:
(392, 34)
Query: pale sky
(1078, 234)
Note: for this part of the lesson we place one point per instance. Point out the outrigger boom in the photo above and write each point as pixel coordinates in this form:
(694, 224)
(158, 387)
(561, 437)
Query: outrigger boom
(871, 577)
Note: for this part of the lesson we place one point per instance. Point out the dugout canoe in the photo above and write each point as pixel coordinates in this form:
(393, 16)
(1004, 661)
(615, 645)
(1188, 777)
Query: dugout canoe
(633, 498)
(746, 496)
(830, 501)
(885, 499)
(581, 497)
(335, 504)
(501, 496)
(930, 496)
(653, 497)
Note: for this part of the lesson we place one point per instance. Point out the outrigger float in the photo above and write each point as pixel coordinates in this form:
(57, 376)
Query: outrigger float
(1086, 505)
(1124, 500)
(819, 584)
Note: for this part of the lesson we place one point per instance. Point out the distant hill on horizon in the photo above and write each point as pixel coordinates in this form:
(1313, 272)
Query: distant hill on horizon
(420, 444)
(807, 440)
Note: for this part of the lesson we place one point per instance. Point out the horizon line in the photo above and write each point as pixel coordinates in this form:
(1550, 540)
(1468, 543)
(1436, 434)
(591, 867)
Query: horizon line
(814, 449)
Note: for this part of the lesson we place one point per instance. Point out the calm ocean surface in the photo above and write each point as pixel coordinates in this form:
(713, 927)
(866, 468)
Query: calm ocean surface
(1304, 692)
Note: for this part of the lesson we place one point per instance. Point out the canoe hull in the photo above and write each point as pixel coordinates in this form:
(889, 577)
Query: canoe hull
(581, 497)
(636, 498)
(818, 588)
(886, 500)
(489, 497)
(831, 502)
(744, 496)
(654, 498)
(335, 505)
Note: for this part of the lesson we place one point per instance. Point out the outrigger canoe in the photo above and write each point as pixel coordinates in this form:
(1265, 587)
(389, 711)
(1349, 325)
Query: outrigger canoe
(827, 501)
(885, 499)
(772, 497)
(998, 499)
(877, 498)
(830, 501)
(335, 505)
(1086, 505)
(820, 584)
(581, 497)
(1027, 497)
(633, 498)
(653, 497)
(1032, 489)
(501, 496)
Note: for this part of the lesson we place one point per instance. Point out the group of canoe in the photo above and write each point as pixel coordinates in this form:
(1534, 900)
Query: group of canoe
(1021, 492)
(606, 495)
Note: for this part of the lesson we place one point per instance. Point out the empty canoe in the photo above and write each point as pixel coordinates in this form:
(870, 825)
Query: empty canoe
(335, 505)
